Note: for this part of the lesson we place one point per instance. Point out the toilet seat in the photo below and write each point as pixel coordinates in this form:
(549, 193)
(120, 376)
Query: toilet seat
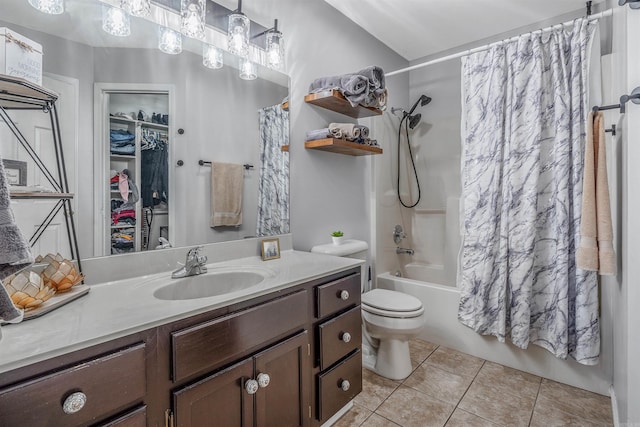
(394, 304)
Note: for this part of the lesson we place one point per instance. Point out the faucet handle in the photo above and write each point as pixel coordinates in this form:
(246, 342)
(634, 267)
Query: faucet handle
(194, 252)
(202, 259)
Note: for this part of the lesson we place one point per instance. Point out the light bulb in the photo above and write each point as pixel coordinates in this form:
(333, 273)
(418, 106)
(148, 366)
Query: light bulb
(211, 56)
(193, 13)
(170, 41)
(54, 7)
(238, 36)
(137, 7)
(247, 70)
(115, 21)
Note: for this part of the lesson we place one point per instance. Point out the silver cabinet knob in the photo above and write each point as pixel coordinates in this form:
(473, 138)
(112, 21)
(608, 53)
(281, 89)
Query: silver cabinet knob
(345, 385)
(74, 402)
(251, 386)
(263, 380)
(346, 337)
(344, 295)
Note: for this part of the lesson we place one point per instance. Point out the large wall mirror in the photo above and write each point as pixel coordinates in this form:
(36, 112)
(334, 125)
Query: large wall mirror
(166, 102)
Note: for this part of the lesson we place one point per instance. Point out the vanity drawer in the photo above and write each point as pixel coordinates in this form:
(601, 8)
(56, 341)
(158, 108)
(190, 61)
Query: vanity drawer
(203, 347)
(340, 336)
(109, 383)
(337, 295)
(339, 385)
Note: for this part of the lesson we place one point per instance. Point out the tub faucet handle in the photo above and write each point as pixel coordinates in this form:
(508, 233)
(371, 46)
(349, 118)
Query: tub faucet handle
(398, 234)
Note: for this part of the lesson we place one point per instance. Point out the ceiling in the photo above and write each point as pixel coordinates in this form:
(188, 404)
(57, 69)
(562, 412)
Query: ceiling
(419, 28)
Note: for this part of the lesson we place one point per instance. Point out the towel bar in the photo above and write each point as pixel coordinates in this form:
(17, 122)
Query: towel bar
(634, 97)
(246, 166)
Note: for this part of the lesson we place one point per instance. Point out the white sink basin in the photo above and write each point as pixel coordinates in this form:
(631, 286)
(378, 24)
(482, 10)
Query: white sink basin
(218, 281)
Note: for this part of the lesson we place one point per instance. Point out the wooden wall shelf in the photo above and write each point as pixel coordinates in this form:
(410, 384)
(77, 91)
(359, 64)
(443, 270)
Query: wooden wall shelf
(342, 146)
(334, 101)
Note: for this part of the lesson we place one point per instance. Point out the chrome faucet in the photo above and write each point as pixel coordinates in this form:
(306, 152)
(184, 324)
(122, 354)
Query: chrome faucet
(407, 251)
(398, 234)
(194, 265)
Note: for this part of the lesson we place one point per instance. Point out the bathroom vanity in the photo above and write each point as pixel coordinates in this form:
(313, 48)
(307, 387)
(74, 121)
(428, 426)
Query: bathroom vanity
(285, 352)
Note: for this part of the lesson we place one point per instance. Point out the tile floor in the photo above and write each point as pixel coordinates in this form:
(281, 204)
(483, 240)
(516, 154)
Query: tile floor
(453, 389)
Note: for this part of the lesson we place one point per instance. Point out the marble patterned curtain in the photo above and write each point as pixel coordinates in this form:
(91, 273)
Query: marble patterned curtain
(523, 135)
(273, 190)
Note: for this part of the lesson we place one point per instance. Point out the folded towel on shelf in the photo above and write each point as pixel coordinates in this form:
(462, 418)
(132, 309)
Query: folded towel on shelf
(226, 194)
(15, 252)
(323, 133)
(595, 252)
(349, 131)
(354, 87)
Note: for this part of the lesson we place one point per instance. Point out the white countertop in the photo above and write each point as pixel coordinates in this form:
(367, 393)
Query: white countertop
(115, 309)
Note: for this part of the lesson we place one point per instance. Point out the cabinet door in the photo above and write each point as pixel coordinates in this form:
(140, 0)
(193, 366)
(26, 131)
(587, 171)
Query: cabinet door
(218, 400)
(284, 402)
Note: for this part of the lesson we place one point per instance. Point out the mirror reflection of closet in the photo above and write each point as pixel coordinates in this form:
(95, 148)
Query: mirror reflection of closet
(138, 144)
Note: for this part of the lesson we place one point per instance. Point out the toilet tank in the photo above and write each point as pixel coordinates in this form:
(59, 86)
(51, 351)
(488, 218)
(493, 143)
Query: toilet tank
(357, 249)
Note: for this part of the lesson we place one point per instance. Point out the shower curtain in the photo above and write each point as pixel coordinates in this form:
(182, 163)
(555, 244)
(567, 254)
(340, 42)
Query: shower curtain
(273, 189)
(523, 135)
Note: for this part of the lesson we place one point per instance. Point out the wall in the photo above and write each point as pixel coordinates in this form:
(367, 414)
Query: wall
(626, 296)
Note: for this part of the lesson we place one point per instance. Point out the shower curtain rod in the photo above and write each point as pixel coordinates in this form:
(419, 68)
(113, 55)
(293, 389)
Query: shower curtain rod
(602, 14)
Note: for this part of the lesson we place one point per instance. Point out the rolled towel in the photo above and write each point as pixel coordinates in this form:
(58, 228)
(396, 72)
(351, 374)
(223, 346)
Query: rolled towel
(349, 131)
(354, 87)
(336, 133)
(375, 75)
(323, 133)
(364, 131)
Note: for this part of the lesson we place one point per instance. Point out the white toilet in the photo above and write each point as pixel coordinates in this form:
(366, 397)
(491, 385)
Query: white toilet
(390, 319)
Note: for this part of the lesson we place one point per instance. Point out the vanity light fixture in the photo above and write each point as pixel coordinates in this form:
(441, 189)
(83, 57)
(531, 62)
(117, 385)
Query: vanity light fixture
(192, 14)
(238, 33)
(169, 41)
(247, 70)
(53, 7)
(115, 21)
(140, 8)
(211, 56)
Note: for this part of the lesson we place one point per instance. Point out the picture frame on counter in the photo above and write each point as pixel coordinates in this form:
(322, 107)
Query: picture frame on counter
(270, 249)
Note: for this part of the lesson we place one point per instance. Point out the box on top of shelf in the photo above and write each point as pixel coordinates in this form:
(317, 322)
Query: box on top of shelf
(20, 56)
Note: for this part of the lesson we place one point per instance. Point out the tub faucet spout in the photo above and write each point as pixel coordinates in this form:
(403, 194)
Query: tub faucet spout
(407, 251)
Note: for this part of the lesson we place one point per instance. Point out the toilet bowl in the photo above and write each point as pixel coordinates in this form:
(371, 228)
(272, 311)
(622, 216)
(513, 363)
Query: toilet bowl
(389, 319)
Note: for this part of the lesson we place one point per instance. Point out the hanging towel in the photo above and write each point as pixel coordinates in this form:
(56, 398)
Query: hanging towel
(15, 253)
(596, 231)
(226, 194)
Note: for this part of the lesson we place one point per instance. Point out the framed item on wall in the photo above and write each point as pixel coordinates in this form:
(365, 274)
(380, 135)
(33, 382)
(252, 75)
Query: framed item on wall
(270, 249)
(16, 172)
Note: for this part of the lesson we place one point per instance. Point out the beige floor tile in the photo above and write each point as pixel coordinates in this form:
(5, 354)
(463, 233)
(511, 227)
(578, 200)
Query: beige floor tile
(375, 389)
(544, 416)
(419, 350)
(437, 383)
(497, 405)
(509, 380)
(574, 401)
(409, 407)
(461, 418)
(376, 420)
(455, 362)
(354, 417)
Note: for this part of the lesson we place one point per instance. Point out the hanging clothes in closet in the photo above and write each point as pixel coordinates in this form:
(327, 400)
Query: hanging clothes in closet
(155, 168)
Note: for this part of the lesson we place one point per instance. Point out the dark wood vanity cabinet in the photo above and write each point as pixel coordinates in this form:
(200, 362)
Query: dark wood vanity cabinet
(289, 358)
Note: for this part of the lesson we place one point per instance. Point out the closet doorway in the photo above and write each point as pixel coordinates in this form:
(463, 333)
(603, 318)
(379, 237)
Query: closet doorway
(134, 140)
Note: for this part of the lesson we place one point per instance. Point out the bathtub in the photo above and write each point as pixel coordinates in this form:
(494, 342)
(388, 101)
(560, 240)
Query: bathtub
(442, 327)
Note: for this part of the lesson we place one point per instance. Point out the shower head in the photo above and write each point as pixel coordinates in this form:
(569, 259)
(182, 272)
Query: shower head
(414, 120)
(423, 100)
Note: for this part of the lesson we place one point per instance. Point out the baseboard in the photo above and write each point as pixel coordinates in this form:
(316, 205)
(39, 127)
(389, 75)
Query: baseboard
(614, 407)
